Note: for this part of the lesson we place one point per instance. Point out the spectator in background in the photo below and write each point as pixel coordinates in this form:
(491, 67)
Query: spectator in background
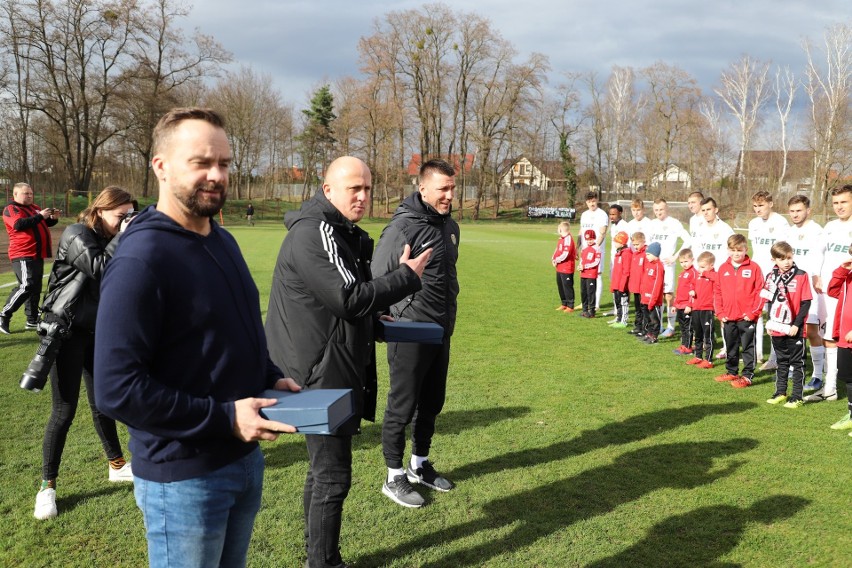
(28, 226)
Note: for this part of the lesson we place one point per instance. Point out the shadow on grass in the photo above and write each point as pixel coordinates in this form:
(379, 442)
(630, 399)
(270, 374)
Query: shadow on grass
(701, 537)
(70, 502)
(540, 512)
(627, 431)
(453, 422)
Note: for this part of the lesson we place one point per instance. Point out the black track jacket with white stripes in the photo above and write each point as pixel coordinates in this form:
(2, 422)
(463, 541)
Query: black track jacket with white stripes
(323, 305)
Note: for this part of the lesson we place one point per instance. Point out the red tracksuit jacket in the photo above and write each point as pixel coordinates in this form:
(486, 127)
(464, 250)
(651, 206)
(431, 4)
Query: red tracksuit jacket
(704, 290)
(621, 270)
(637, 270)
(590, 262)
(839, 287)
(737, 291)
(652, 283)
(685, 284)
(29, 236)
(565, 254)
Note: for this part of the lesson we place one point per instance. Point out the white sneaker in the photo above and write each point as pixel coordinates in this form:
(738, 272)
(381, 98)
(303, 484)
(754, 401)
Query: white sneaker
(124, 473)
(667, 333)
(769, 366)
(45, 507)
(820, 396)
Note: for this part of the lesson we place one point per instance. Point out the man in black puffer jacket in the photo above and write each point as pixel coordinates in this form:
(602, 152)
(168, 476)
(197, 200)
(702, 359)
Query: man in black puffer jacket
(323, 306)
(418, 372)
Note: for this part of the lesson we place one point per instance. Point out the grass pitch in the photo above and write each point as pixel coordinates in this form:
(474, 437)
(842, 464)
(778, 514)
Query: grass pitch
(571, 444)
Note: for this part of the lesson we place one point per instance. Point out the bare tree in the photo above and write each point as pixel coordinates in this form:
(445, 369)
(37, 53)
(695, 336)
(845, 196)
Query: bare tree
(744, 91)
(828, 90)
(76, 54)
(785, 93)
(165, 61)
(244, 97)
(621, 106)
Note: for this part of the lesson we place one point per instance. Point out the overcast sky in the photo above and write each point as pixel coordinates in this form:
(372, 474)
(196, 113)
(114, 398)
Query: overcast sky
(304, 43)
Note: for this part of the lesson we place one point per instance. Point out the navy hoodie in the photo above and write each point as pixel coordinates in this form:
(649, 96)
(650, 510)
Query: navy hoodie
(179, 337)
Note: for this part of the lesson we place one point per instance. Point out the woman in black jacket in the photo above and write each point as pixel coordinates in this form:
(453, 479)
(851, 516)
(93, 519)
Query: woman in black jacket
(71, 301)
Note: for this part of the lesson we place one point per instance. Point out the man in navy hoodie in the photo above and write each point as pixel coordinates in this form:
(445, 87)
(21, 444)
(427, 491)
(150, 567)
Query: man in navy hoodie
(180, 354)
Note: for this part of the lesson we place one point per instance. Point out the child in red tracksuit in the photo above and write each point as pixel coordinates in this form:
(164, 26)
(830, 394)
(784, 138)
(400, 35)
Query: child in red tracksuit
(738, 305)
(590, 264)
(840, 287)
(681, 305)
(563, 259)
(652, 292)
(634, 283)
(618, 281)
(788, 292)
(701, 305)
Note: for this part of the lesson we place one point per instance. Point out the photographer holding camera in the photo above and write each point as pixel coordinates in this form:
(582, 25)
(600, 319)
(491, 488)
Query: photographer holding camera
(67, 326)
(29, 244)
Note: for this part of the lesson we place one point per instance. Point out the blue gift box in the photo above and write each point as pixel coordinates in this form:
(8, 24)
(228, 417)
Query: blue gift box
(311, 411)
(413, 332)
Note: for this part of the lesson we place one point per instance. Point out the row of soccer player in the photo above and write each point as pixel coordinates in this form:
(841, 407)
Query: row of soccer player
(815, 250)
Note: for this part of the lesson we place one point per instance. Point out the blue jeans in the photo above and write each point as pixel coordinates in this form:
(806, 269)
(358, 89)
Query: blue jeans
(205, 521)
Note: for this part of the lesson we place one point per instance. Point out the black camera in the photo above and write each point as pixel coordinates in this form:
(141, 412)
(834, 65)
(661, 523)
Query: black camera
(52, 334)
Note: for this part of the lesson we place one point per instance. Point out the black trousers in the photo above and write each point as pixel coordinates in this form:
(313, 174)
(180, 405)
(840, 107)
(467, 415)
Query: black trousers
(652, 320)
(73, 362)
(418, 388)
(702, 328)
(844, 372)
(326, 487)
(739, 336)
(565, 285)
(684, 320)
(790, 354)
(641, 311)
(588, 291)
(29, 272)
(621, 301)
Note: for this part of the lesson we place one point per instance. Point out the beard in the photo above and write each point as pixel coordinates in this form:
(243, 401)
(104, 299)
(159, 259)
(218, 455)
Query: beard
(201, 202)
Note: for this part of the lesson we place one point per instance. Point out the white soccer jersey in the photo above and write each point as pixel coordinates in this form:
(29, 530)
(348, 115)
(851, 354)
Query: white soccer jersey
(593, 220)
(641, 226)
(808, 245)
(667, 232)
(763, 235)
(695, 223)
(713, 238)
(838, 236)
(613, 231)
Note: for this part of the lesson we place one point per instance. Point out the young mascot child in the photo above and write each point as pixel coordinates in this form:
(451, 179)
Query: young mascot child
(738, 305)
(590, 264)
(618, 282)
(634, 283)
(702, 311)
(788, 294)
(652, 292)
(683, 300)
(840, 287)
(563, 259)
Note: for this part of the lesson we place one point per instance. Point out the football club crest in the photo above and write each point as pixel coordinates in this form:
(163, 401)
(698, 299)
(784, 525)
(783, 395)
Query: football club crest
(746, 273)
(453, 238)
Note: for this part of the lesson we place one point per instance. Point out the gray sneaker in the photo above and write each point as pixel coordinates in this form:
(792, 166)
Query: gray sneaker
(401, 492)
(426, 475)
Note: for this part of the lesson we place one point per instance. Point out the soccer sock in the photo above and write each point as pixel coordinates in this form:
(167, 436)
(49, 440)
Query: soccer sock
(417, 461)
(392, 473)
(117, 463)
(818, 360)
(830, 371)
(758, 339)
(47, 484)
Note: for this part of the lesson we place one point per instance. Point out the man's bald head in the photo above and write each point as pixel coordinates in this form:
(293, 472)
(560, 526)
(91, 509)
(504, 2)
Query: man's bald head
(347, 186)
